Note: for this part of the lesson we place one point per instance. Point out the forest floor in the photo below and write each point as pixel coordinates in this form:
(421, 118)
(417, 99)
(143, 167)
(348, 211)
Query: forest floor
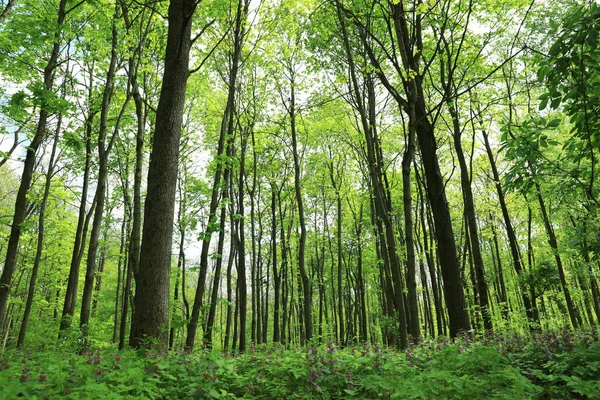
(550, 365)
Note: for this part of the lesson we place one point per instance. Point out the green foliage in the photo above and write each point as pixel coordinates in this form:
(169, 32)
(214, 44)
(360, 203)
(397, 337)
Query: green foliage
(565, 365)
(548, 365)
(542, 278)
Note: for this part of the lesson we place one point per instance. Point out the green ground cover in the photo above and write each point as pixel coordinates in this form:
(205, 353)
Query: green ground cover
(560, 365)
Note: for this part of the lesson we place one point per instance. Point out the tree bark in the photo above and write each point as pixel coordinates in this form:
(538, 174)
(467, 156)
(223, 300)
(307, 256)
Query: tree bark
(226, 131)
(554, 245)
(19, 215)
(151, 314)
(101, 189)
(306, 286)
(529, 302)
(276, 273)
(470, 217)
(40, 238)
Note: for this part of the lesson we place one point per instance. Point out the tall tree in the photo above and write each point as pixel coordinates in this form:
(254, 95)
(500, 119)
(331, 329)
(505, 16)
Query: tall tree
(225, 139)
(40, 237)
(49, 76)
(151, 314)
(104, 146)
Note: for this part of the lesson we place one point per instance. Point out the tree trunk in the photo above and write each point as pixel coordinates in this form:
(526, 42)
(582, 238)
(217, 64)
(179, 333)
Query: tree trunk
(306, 286)
(208, 333)
(122, 267)
(529, 302)
(82, 226)
(276, 273)
(40, 238)
(439, 310)
(133, 254)
(151, 313)
(226, 131)
(101, 189)
(411, 281)
(340, 289)
(470, 217)
(241, 271)
(503, 295)
(554, 245)
(19, 215)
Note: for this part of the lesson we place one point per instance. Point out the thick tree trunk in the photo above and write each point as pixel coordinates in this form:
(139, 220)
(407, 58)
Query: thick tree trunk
(151, 314)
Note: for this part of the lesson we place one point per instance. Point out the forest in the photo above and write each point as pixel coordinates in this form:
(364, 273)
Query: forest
(299, 199)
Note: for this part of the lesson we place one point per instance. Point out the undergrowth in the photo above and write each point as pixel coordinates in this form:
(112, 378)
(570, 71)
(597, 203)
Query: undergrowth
(560, 365)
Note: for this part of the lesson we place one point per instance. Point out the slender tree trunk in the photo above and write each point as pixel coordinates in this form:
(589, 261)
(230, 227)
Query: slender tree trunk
(226, 131)
(529, 302)
(554, 245)
(306, 286)
(340, 289)
(276, 273)
(101, 189)
(503, 295)
(133, 254)
(241, 271)
(82, 226)
(208, 333)
(219, 262)
(363, 332)
(365, 104)
(19, 215)
(284, 274)
(121, 268)
(256, 323)
(229, 290)
(40, 238)
(181, 257)
(439, 310)
(411, 274)
(470, 217)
